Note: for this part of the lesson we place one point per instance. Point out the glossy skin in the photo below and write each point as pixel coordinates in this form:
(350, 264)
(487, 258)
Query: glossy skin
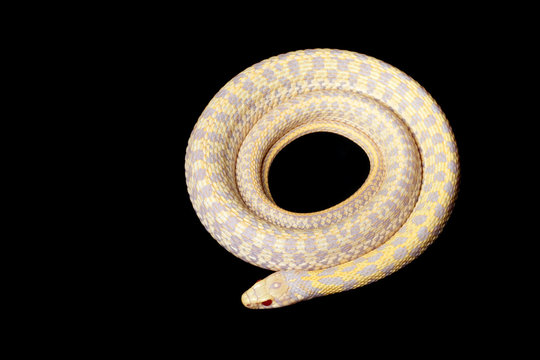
(396, 214)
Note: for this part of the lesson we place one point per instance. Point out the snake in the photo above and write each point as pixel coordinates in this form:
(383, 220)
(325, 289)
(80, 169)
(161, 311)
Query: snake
(399, 210)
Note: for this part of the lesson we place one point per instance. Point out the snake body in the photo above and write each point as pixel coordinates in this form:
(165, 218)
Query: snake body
(395, 215)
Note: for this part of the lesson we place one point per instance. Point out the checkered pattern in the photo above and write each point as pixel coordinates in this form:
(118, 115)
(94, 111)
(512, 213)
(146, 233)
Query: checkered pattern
(399, 210)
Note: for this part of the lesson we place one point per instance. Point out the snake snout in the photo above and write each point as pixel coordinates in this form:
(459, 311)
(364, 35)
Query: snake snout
(257, 297)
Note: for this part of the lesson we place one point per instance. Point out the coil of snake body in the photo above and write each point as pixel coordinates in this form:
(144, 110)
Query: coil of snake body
(395, 215)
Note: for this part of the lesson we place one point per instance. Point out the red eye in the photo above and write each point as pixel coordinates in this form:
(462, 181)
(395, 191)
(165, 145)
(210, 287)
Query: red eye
(267, 303)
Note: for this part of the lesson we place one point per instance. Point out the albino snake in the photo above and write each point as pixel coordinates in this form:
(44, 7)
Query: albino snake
(395, 215)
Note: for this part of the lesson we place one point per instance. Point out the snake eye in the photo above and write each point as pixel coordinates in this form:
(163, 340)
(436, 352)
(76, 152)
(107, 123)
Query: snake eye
(267, 302)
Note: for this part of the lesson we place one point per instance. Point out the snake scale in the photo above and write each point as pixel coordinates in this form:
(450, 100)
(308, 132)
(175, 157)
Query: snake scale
(392, 218)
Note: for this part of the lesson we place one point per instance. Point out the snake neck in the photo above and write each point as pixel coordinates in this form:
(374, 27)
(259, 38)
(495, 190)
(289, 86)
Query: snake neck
(277, 290)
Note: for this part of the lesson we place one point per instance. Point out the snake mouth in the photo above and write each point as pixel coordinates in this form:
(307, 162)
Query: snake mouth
(252, 301)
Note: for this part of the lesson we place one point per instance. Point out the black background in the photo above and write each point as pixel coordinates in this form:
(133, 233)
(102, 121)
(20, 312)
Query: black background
(445, 281)
(173, 275)
(113, 257)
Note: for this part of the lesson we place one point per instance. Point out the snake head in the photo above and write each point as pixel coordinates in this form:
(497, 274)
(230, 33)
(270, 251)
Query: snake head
(271, 292)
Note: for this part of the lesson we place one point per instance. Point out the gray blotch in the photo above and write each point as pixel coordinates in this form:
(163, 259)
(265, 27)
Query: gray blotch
(415, 119)
(415, 252)
(355, 230)
(385, 77)
(353, 78)
(269, 75)
(404, 76)
(331, 281)
(400, 253)
(348, 268)
(326, 272)
(417, 103)
(350, 284)
(249, 232)
(422, 233)
(343, 64)
(365, 69)
(424, 135)
(197, 155)
(332, 241)
(231, 222)
(293, 66)
(371, 86)
(207, 112)
(221, 117)
(332, 75)
(206, 191)
(388, 94)
(390, 204)
(284, 56)
(276, 258)
(423, 93)
(437, 138)
(285, 83)
(430, 120)
(222, 93)
(388, 269)
(393, 166)
(217, 208)
(290, 246)
(453, 167)
(374, 257)
(238, 77)
(299, 258)
(216, 178)
(402, 89)
(368, 270)
(361, 57)
(310, 245)
(399, 240)
(440, 157)
(430, 169)
(214, 137)
(318, 63)
(249, 86)
(346, 248)
(439, 211)
(433, 197)
(198, 134)
(255, 250)
(440, 176)
(373, 218)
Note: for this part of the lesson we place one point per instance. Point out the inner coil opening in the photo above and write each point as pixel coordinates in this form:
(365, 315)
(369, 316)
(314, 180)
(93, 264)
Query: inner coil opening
(317, 171)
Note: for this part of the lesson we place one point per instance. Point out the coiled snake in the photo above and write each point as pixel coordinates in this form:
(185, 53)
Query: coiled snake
(394, 216)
